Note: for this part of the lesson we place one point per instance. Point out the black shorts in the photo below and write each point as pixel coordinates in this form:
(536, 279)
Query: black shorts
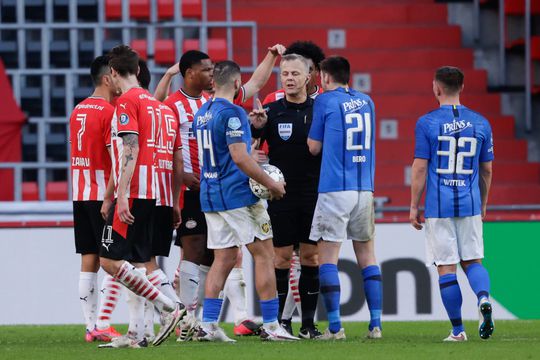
(291, 217)
(193, 220)
(88, 225)
(163, 231)
(133, 243)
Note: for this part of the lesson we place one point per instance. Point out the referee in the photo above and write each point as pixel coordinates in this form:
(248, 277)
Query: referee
(284, 125)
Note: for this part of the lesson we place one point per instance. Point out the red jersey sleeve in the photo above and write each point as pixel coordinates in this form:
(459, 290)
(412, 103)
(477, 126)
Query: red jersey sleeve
(241, 97)
(268, 99)
(127, 116)
(106, 125)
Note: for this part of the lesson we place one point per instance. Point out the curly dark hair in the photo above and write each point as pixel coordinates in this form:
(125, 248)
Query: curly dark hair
(307, 49)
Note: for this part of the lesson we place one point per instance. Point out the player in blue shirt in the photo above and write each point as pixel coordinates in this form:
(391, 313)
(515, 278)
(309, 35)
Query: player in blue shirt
(454, 150)
(344, 128)
(234, 216)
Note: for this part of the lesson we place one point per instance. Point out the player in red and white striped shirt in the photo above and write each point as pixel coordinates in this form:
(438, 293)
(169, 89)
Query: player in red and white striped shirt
(196, 68)
(127, 237)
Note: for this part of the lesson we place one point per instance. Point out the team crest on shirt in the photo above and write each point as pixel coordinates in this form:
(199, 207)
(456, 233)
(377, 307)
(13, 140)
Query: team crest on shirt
(285, 131)
(265, 228)
(191, 224)
(124, 119)
(234, 123)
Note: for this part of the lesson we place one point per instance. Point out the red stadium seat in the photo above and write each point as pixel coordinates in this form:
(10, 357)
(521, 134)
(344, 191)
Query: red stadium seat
(140, 9)
(164, 52)
(190, 9)
(139, 45)
(517, 7)
(217, 48)
(30, 191)
(57, 190)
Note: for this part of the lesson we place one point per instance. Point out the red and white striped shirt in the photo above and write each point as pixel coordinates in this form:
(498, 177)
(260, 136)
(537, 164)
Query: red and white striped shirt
(137, 112)
(280, 94)
(168, 143)
(90, 134)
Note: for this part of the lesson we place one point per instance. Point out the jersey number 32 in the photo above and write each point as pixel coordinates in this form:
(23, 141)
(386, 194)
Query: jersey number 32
(456, 156)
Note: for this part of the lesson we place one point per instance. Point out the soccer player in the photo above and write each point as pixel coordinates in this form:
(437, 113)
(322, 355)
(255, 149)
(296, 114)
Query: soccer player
(235, 217)
(454, 152)
(90, 133)
(126, 242)
(284, 125)
(196, 69)
(314, 54)
(344, 129)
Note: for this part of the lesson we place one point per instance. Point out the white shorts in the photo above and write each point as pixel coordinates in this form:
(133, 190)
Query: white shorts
(344, 215)
(450, 240)
(238, 227)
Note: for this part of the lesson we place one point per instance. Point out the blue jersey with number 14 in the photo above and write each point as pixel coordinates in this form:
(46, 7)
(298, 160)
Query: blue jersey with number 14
(344, 121)
(454, 140)
(218, 124)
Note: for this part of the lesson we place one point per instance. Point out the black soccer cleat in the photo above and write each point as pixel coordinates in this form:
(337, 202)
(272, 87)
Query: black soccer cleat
(309, 332)
(487, 325)
(287, 325)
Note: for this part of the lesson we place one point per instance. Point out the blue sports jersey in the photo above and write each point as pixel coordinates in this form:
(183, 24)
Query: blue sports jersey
(344, 121)
(217, 124)
(455, 140)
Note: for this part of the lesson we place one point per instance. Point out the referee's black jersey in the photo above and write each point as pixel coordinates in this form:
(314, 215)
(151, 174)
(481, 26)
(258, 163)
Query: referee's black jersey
(286, 133)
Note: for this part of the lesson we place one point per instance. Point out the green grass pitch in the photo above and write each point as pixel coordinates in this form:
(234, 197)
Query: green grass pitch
(517, 339)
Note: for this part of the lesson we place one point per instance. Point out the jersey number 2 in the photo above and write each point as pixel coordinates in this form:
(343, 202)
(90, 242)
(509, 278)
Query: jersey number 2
(363, 124)
(455, 157)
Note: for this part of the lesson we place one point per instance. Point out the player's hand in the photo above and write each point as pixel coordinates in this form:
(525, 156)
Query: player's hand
(258, 155)
(192, 181)
(277, 190)
(414, 218)
(105, 208)
(277, 49)
(258, 116)
(484, 211)
(177, 216)
(122, 208)
(173, 70)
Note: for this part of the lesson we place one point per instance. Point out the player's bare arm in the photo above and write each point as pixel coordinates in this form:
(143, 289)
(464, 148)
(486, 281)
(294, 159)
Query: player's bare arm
(131, 152)
(178, 173)
(486, 174)
(108, 196)
(418, 183)
(263, 71)
(249, 167)
(314, 146)
(162, 89)
(258, 116)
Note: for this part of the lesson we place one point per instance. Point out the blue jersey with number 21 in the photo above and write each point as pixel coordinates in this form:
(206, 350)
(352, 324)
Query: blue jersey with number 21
(344, 121)
(454, 140)
(217, 124)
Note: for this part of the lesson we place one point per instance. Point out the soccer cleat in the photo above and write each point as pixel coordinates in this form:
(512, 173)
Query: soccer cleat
(309, 332)
(89, 336)
(374, 333)
(456, 338)
(276, 333)
(247, 328)
(187, 328)
(170, 321)
(124, 341)
(287, 325)
(149, 337)
(106, 334)
(487, 325)
(328, 335)
(213, 333)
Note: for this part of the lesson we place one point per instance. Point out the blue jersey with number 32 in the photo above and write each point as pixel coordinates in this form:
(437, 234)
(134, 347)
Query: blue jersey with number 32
(454, 140)
(217, 124)
(344, 121)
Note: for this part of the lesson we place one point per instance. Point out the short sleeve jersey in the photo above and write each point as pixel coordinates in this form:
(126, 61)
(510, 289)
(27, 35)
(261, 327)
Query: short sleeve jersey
(224, 186)
(344, 121)
(168, 142)
(454, 140)
(90, 135)
(137, 112)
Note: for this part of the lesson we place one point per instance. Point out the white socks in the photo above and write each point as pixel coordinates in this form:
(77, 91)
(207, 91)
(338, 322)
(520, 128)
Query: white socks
(293, 296)
(235, 291)
(111, 290)
(203, 273)
(189, 284)
(88, 297)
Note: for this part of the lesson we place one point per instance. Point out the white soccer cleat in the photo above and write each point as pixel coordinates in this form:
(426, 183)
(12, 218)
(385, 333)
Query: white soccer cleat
(456, 338)
(124, 341)
(213, 333)
(376, 333)
(188, 328)
(170, 320)
(328, 335)
(276, 332)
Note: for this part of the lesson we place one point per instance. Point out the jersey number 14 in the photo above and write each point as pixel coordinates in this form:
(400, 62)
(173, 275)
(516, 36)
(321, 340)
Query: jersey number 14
(204, 142)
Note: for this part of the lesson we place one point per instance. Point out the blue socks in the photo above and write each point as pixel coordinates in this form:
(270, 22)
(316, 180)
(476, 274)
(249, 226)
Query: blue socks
(479, 280)
(330, 291)
(373, 291)
(211, 310)
(269, 309)
(452, 300)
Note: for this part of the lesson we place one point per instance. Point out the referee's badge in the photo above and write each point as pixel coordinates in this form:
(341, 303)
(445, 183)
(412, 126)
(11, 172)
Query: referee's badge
(285, 131)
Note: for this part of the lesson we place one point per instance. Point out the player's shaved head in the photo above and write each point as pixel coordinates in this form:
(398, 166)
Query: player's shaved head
(144, 76)
(98, 68)
(225, 73)
(124, 60)
(338, 68)
(450, 78)
(191, 58)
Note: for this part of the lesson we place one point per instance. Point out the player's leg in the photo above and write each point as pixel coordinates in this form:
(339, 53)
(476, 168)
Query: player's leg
(282, 264)
(292, 302)
(442, 250)
(471, 247)
(110, 293)
(309, 285)
(88, 293)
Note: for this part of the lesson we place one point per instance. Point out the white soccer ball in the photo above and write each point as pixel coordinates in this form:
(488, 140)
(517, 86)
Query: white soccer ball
(262, 191)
